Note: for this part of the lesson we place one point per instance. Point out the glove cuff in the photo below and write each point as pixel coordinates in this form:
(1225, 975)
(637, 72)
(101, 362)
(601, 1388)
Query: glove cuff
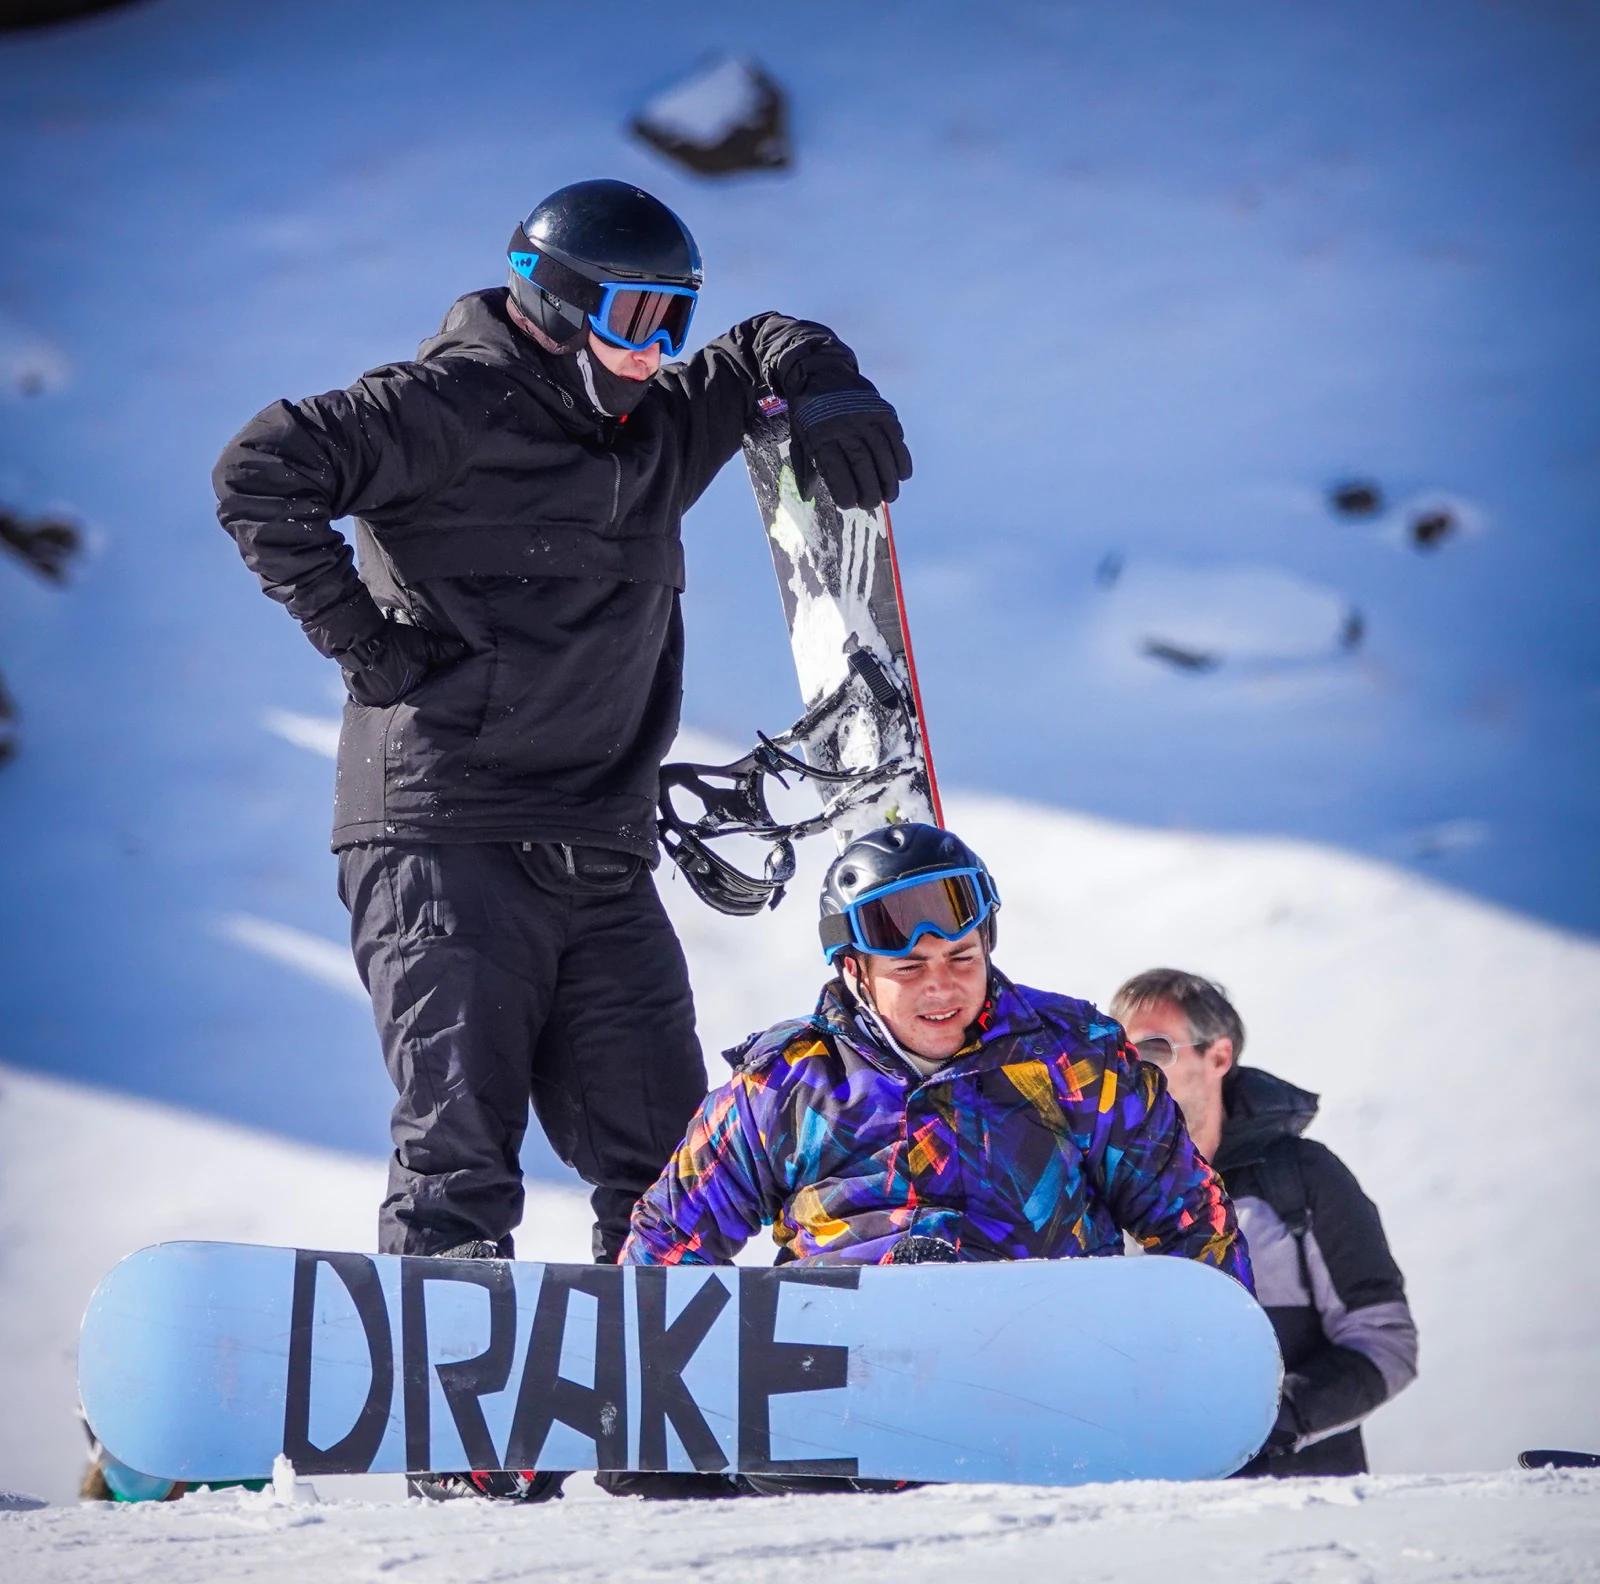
(340, 628)
(836, 404)
(1288, 1429)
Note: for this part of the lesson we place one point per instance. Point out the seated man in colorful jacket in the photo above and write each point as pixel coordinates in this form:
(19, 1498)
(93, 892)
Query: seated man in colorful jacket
(929, 1108)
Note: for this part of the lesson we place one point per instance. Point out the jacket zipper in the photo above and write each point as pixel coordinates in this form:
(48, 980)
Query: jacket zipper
(616, 485)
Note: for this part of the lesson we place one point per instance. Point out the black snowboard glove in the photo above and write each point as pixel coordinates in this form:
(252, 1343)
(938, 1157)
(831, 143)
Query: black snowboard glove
(1286, 1430)
(845, 433)
(381, 669)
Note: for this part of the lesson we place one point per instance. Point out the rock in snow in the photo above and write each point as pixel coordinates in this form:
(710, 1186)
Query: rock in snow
(727, 116)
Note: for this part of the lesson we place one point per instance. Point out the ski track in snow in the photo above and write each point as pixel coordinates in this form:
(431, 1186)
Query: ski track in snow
(1520, 1528)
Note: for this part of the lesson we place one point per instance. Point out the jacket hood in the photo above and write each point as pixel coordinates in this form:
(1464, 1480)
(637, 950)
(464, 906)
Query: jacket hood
(477, 327)
(1260, 1109)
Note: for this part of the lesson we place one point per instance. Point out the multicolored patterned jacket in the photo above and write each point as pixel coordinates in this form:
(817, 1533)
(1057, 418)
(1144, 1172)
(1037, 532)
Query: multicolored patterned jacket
(1046, 1137)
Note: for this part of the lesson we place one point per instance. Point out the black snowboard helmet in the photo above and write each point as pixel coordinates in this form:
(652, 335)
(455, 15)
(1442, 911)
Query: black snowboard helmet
(892, 886)
(590, 235)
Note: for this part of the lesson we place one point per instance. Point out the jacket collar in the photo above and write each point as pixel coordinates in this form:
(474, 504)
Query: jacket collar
(1259, 1109)
(478, 327)
(1005, 1018)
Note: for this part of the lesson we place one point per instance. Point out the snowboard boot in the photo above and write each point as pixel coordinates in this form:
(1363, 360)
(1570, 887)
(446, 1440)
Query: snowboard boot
(473, 1248)
(509, 1485)
(916, 1248)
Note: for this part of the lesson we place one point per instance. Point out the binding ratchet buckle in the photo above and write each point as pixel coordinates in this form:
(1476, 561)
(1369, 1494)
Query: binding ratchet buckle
(733, 801)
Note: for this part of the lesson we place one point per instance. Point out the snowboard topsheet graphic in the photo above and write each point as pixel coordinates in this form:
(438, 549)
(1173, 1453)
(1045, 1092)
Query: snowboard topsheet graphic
(204, 1361)
(840, 585)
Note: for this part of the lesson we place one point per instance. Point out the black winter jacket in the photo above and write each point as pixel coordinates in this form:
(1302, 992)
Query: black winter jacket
(495, 506)
(1333, 1292)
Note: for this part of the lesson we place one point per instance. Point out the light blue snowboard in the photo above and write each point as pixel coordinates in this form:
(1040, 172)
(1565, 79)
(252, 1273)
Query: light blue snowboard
(203, 1361)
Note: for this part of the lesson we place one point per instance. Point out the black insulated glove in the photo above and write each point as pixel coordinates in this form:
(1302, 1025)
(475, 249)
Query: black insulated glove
(381, 669)
(853, 441)
(1287, 1429)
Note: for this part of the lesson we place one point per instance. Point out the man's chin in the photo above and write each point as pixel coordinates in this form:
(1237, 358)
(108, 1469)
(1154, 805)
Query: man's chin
(932, 1046)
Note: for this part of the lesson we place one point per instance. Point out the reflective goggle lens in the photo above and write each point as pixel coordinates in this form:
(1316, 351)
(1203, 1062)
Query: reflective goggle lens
(636, 316)
(889, 925)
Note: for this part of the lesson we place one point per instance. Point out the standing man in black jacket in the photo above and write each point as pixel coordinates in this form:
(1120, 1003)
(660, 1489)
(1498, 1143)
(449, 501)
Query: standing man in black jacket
(1322, 1265)
(512, 648)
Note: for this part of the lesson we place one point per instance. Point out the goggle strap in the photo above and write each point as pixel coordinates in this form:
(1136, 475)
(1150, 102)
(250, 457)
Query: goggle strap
(836, 931)
(554, 276)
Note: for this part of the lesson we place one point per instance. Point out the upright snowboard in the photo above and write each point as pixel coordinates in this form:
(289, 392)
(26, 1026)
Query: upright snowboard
(840, 585)
(861, 740)
(203, 1361)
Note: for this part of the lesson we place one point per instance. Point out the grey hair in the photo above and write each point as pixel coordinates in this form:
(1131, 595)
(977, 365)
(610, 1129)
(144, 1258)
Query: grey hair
(1203, 1002)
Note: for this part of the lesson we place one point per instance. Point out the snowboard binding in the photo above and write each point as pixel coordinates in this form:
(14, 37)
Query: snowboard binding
(733, 800)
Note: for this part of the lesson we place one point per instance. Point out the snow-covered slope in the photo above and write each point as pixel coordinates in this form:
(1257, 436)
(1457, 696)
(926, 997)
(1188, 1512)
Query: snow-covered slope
(1513, 1529)
(1143, 280)
(1444, 1035)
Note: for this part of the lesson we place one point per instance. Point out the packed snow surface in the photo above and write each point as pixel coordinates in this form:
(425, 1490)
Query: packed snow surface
(1439, 1031)
(1519, 1528)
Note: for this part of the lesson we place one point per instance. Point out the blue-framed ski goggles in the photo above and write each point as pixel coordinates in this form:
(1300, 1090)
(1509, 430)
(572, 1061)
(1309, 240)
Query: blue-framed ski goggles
(626, 313)
(890, 921)
(637, 317)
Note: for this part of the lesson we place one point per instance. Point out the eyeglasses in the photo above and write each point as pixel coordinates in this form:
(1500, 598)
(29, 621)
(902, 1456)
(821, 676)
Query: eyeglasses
(1160, 1050)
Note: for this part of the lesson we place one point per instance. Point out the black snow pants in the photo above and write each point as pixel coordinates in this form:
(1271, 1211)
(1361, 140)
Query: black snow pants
(504, 972)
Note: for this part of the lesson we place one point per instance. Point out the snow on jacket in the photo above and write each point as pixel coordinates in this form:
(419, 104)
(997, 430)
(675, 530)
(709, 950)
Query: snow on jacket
(495, 505)
(1336, 1297)
(1045, 1137)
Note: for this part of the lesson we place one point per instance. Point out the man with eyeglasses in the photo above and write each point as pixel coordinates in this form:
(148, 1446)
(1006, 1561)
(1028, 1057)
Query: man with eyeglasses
(512, 647)
(929, 1108)
(1322, 1265)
